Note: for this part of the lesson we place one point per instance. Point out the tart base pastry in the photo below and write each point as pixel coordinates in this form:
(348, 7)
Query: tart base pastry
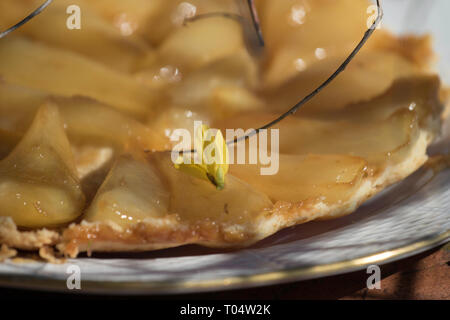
(11, 236)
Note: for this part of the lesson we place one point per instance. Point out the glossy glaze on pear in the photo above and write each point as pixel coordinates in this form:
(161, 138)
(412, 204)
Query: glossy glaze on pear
(39, 186)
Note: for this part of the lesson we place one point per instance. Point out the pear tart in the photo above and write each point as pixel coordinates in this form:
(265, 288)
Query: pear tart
(86, 118)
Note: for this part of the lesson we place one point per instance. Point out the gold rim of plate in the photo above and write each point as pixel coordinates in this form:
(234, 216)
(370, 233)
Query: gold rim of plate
(228, 283)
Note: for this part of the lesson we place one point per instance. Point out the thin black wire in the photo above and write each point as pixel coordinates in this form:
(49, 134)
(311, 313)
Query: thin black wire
(341, 68)
(255, 20)
(253, 15)
(315, 92)
(26, 19)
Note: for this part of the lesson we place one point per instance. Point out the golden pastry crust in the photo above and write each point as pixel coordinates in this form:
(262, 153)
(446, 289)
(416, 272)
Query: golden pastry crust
(48, 254)
(11, 236)
(143, 236)
(6, 253)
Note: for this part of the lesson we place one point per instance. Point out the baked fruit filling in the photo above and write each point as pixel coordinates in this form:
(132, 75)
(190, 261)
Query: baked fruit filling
(86, 118)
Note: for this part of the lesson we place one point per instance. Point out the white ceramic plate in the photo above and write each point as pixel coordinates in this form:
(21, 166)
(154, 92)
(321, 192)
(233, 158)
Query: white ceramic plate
(406, 219)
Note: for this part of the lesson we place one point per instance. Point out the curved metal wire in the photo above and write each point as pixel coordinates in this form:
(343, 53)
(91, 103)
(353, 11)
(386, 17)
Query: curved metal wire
(322, 86)
(255, 21)
(26, 19)
(249, 20)
(341, 68)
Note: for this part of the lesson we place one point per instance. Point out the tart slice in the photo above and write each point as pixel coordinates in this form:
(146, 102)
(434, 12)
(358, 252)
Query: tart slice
(315, 179)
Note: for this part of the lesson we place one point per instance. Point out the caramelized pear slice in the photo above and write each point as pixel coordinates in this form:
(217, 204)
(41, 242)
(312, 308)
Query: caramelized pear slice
(381, 131)
(97, 38)
(65, 73)
(133, 16)
(18, 106)
(172, 119)
(196, 200)
(326, 178)
(156, 19)
(228, 101)
(136, 11)
(87, 121)
(202, 42)
(419, 93)
(297, 33)
(369, 75)
(38, 180)
(172, 14)
(132, 192)
(204, 87)
(379, 142)
(90, 122)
